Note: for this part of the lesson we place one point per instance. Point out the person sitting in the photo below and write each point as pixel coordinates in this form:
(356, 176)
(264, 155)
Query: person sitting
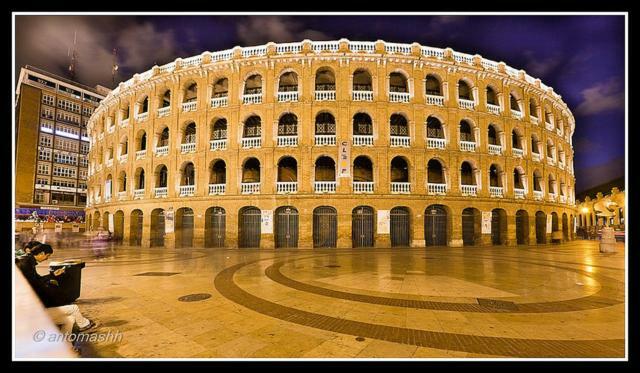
(26, 249)
(46, 288)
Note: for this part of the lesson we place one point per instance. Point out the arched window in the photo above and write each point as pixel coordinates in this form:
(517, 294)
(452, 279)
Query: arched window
(432, 86)
(492, 96)
(362, 81)
(287, 170)
(163, 140)
(251, 171)
(122, 182)
(362, 124)
(535, 147)
(435, 172)
(139, 179)
(325, 80)
(399, 170)
(466, 134)
(325, 169)
(399, 125)
(288, 125)
(253, 85)
(464, 91)
(325, 124)
(188, 174)
(398, 83)
(494, 176)
(362, 169)
(493, 137)
(467, 174)
(142, 144)
(537, 181)
(191, 93)
(165, 99)
(516, 140)
(221, 88)
(162, 177)
(552, 185)
(514, 103)
(517, 179)
(219, 130)
(252, 127)
(288, 82)
(143, 106)
(218, 172)
(189, 134)
(434, 128)
(533, 108)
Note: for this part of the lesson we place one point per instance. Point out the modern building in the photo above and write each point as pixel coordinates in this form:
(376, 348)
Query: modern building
(332, 144)
(52, 143)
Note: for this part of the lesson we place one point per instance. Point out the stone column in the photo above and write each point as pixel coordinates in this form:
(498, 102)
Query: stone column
(456, 229)
(126, 229)
(305, 229)
(146, 230)
(198, 228)
(344, 229)
(231, 229)
(417, 229)
(170, 240)
(532, 229)
(512, 239)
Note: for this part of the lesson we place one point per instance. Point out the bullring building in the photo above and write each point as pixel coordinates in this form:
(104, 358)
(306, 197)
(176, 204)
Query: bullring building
(332, 144)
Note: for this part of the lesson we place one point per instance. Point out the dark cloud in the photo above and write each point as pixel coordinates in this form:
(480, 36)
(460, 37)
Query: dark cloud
(263, 29)
(604, 96)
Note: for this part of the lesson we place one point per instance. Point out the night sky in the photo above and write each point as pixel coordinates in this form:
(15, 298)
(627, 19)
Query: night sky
(581, 57)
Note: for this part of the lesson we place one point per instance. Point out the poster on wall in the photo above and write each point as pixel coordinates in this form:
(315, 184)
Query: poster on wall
(266, 222)
(58, 228)
(344, 160)
(486, 222)
(168, 220)
(575, 224)
(111, 223)
(549, 223)
(384, 222)
(75, 228)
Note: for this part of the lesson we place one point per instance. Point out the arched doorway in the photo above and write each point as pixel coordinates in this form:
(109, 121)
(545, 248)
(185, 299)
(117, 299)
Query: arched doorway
(498, 227)
(362, 226)
(565, 227)
(105, 221)
(135, 232)
(157, 227)
(89, 223)
(435, 225)
(118, 226)
(184, 227)
(214, 227)
(249, 227)
(96, 220)
(400, 227)
(286, 228)
(541, 227)
(471, 221)
(522, 227)
(325, 227)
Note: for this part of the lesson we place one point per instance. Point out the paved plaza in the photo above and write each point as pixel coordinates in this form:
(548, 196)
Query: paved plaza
(528, 301)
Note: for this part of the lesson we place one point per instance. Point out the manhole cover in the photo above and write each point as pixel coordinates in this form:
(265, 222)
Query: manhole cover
(497, 304)
(360, 339)
(333, 266)
(194, 297)
(157, 274)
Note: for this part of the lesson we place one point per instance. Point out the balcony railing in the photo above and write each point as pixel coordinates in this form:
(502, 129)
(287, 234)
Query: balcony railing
(533, 120)
(518, 193)
(402, 188)
(548, 126)
(217, 189)
(559, 131)
(517, 152)
(535, 157)
(434, 100)
(107, 199)
(252, 99)
(493, 109)
(400, 141)
(495, 149)
(552, 197)
(218, 144)
(468, 146)
(123, 158)
(138, 193)
(287, 141)
(563, 199)
(516, 114)
(495, 192)
(434, 143)
(399, 97)
(561, 165)
(363, 186)
(140, 154)
(188, 148)
(537, 195)
(162, 150)
(362, 140)
(469, 190)
(325, 140)
(164, 111)
(187, 190)
(466, 104)
(161, 192)
(142, 117)
(325, 95)
(436, 188)
(362, 96)
(250, 188)
(122, 195)
(551, 161)
(109, 162)
(251, 142)
(123, 123)
(190, 106)
(324, 186)
(283, 187)
(219, 101)
(288, 96)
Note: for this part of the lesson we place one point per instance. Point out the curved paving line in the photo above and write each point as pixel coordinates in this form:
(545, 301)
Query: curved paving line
(447, 341)
(597, 300)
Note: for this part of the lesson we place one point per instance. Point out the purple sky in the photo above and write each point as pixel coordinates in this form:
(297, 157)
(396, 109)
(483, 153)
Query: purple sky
(581, 57)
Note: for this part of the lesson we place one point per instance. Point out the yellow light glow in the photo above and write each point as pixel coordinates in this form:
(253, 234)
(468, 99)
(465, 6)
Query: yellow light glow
(585, 210)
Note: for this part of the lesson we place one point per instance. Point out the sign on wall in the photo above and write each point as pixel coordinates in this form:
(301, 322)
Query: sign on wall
(384, 221)
(575, 224)
(75, 227)
(168, 220)
(486, 222)
(266, 222)
(343, 159)
(58, 227)
(549, 223)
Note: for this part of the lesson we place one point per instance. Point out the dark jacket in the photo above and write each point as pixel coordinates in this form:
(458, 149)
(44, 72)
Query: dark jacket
(43, 286)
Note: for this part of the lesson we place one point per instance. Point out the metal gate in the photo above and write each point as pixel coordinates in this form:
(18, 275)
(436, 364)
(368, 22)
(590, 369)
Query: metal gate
(249, 227)
(136, 228)
(215, 227)
(286, 227)
(495, 228)
(435, 226)
(521, 222)
(325, 227)
(184, 228)
(362, 226)
(157, 228)
(541, 228)
(400, 227)
(468, 227)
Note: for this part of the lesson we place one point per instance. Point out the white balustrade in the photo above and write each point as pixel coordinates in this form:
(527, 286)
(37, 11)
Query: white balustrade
(516, 114)
(140, 154)
(167, 68)
(255, 98)
(162, 150)
(489, 65)
(138, 193)
(362, 46)
(363, 186)
(552, 197)
(161, 192)
(288, 96)
(251, 142)
(561, 165)
(397, 48)
(188, 148)
(325, 95)
(362, 140)
(288, 48)
(466, 104)
(191, 62)
(217, 189)
(109, 162)
(434, 100)
(495, 149)
(468, 146)
(463, 58)
(399, 97)
(286, 187)
(287, 141)
(187, 190)
(164, 111)
(548, 126)
(123, 158)
(559, 131)
(325, 140)
(535, 157)
(517, 152)
(436, 188)
(469, 190)
(219, 101)
(493, 109)
(222, 55)
(563, 199)
(190, 106)
(533, 119)
(400, 141)
(362, 95)
(324, 186)
(398, 187)
(518, 193)
(142, 116)
(433, 52)
(495, 191)
(218, 144)
(321, 46)
(434, 143)
(537, 195)
(551, 161)
(122, 195)
(260, 50)
(107, 198)
(250, 188)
